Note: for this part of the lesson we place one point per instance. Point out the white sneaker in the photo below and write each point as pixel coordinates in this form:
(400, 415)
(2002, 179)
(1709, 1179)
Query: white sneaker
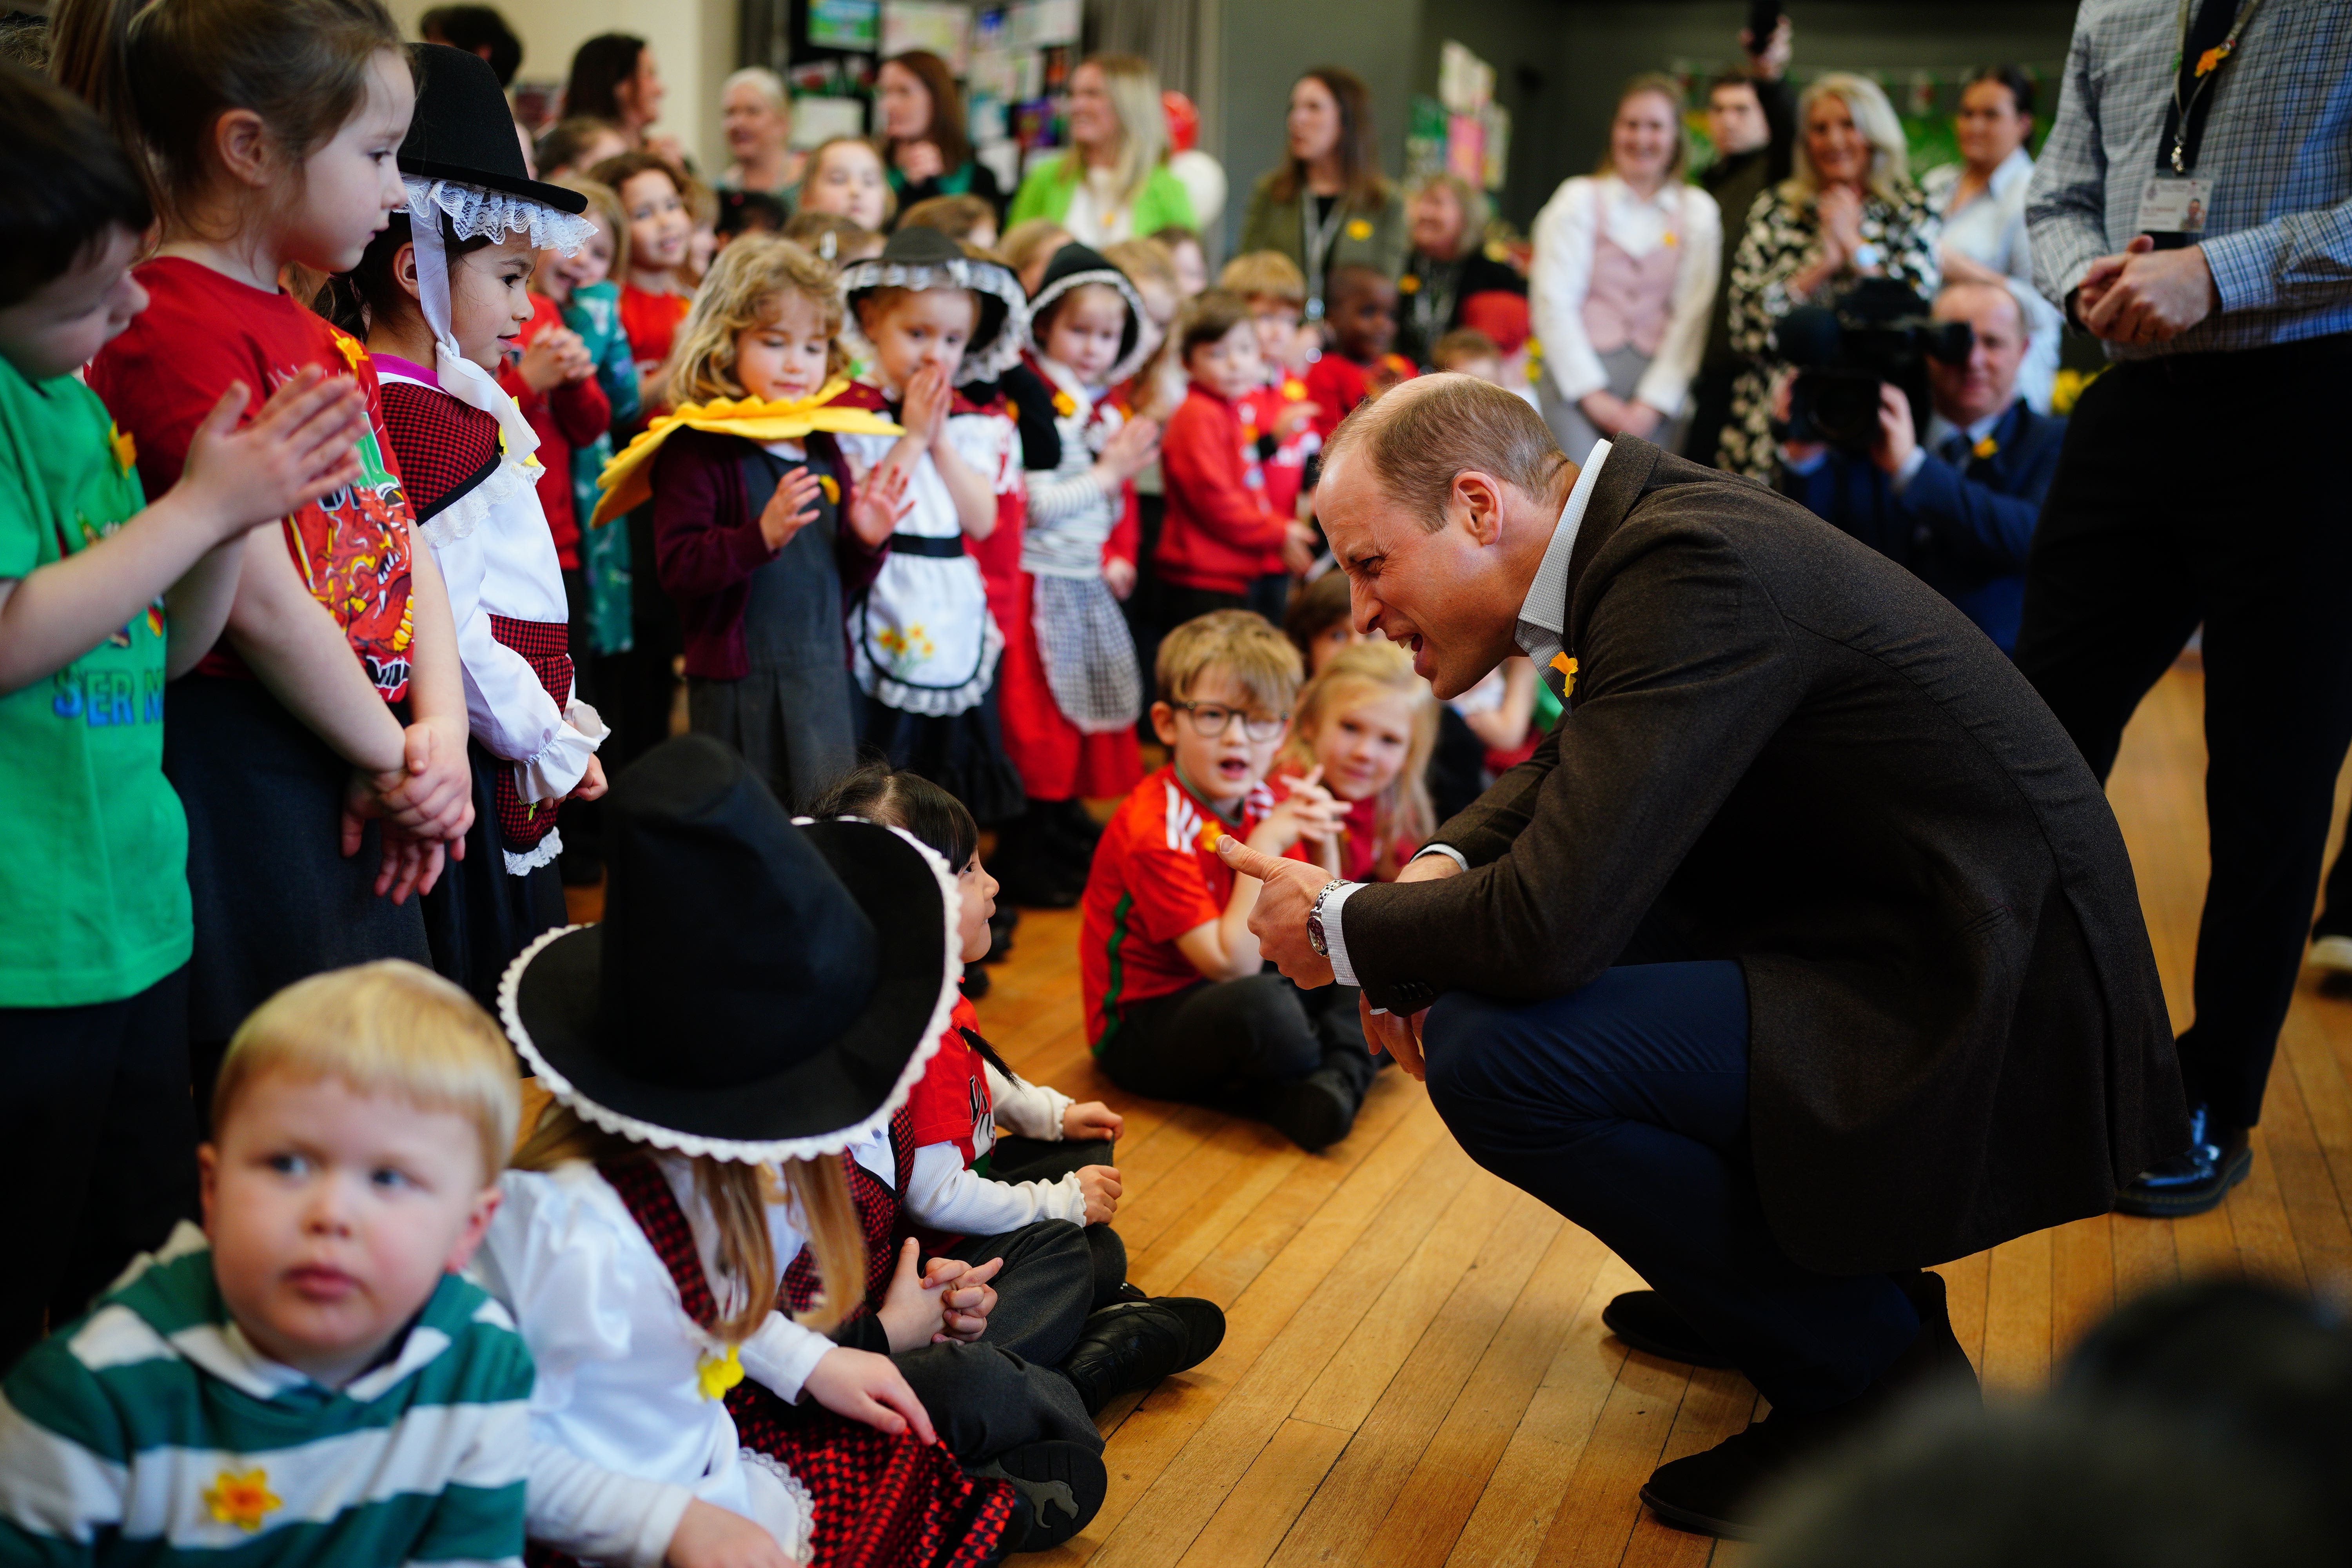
(2333, 953)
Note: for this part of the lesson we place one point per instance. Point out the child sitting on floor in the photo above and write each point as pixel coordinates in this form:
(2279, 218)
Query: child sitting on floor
(1176, 1003)
(1368, 722)
(1362, 324)
(306, 1379)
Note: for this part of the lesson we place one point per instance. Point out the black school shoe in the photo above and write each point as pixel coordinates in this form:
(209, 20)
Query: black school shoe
(1315, 1111)
(1643, 1319)
(1133, 1344)
(2217, 1159)
(1718, 1492)
(1057, 1490)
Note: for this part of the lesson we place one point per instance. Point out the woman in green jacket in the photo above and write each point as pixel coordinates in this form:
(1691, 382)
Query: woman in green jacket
(1328, 205)
(1113, 184)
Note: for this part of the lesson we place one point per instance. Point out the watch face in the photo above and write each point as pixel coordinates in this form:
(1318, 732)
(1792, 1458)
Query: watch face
(1315, 938)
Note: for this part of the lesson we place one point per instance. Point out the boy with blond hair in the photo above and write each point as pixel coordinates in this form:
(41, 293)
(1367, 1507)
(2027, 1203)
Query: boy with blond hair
(1279, 417)
(1176, 1003)
(306, 1379)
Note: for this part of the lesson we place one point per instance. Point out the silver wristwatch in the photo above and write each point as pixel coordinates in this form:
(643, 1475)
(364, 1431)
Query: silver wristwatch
(1315, 938)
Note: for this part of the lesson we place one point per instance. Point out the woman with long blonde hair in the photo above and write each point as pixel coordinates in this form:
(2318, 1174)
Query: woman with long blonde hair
(1114, 182)
(1849, 211)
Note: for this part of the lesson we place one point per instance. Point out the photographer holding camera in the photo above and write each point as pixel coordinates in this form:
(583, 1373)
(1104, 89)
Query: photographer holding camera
(1957, 509)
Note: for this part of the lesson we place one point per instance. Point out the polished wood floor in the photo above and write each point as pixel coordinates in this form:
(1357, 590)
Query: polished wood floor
(1415, 1372)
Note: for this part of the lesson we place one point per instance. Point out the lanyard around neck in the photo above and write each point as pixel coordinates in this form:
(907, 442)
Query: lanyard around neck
(2207, 68)
(1317, 239)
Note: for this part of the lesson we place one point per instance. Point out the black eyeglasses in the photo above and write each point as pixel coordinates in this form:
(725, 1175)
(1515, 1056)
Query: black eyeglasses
(1210, 720)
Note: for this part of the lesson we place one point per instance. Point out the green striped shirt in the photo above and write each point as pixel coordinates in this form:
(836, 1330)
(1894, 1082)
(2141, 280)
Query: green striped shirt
(152, 1432)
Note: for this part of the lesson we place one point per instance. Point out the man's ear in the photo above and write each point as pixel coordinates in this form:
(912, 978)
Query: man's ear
(1478, 505)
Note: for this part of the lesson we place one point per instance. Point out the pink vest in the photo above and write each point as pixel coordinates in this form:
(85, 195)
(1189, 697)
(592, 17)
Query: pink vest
(1627, 299)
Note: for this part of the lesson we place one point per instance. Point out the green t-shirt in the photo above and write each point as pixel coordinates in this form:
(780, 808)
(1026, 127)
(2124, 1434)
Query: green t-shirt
(94, 877)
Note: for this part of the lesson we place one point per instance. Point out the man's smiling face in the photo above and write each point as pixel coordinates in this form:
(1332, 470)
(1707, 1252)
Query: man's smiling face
(1447, 596)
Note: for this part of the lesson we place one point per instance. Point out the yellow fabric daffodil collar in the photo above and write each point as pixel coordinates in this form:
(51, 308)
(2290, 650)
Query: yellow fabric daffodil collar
(627, 480)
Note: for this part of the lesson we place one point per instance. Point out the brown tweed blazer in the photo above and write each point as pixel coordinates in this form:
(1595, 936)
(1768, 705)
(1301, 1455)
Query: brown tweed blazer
(1785, 749)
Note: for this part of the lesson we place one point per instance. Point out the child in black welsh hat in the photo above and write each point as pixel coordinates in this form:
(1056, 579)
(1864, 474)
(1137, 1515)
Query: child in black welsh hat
(926, 318)
(438, 296)
(1072, 688)
(677, 1239)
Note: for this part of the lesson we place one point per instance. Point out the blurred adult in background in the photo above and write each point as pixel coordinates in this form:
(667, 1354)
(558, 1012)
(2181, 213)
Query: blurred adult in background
(926, 146)
(1626, 268)
(1957, 509)
(1326, 205)
(614, 78)
(1981, 203)
(2191, 210)
(1449, 261)
(478, 30)
(756, 115)
(1113, 184)
(1751, 118)
(1847, 211)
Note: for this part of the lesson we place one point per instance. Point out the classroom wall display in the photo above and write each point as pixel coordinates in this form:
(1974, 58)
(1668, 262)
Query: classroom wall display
(941, 26)
(844, 24)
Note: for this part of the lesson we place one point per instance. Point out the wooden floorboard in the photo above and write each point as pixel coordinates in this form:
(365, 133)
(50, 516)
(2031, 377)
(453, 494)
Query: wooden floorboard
(1414, 1370)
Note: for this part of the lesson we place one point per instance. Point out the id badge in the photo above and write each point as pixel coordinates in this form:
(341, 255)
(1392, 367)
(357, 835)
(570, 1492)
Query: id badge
(2174, 205)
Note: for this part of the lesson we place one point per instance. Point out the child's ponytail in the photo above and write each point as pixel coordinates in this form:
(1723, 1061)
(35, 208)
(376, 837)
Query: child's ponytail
(162, 72)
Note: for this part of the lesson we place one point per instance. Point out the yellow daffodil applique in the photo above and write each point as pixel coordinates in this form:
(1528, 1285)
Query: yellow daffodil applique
(1360, 228)
(1567, 667)
(1986, 447)
(1064, 404)
(715, 1375)
(352, 349)
(126, 450)
(242, 1498)
(830, 487)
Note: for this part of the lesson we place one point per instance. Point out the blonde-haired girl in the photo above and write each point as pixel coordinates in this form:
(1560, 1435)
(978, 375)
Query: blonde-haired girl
(844, 176)
(750, 497)
(679, 1232)
(1369, 724)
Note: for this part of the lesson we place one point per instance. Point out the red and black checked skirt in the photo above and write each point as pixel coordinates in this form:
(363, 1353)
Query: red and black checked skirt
(547, 647)
(881, 1501)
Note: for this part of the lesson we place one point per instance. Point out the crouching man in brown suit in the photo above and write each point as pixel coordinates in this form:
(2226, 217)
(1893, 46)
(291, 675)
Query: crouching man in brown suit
(1803, 954)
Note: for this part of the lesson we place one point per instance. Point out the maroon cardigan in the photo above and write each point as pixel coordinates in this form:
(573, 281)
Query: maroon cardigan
(707, 544)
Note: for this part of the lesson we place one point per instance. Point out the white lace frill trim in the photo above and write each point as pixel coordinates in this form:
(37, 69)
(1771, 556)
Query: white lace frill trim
(986, 362)
(756, 1152)
(539, 854)
(471, 510)
(797, 1549)
(476, 210)
(930, 701)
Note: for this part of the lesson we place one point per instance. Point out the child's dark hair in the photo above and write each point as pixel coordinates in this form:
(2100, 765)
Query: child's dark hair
(65, 184)
(895, 798)
(624, 166)
(749, 211)
(1316, 609)
(561, 144)
(1208, 317)
(162, 72)
(474, 29)
(370, 293)
(828, 237)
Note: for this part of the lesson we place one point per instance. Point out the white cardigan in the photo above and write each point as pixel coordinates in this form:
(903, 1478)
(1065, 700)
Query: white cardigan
(1564, 232)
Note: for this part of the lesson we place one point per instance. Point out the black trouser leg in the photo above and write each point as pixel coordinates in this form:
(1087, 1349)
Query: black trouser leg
(2335, 904)
(1044, 1292)
(1213, 1044)
(2139, 540)
(98, 1149)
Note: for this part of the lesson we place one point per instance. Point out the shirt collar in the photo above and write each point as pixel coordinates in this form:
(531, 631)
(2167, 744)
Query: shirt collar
(2018, 165)
(1940, 429)
(1543, 615)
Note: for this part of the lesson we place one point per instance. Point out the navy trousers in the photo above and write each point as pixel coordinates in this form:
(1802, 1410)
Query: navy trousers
(1624, 1106)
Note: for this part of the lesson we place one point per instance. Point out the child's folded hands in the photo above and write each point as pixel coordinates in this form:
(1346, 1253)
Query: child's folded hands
(1102, 1186)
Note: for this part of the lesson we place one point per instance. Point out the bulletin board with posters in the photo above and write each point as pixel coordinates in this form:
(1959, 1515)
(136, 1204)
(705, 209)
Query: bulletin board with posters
(1462, 130)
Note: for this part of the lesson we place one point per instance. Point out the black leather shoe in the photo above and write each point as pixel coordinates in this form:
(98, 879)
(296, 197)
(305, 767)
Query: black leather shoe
(1315, 1112)
(1058, 1488)
(1718, 1492)
(2218, 1158)
(1644, 1320)
(1133, 1344)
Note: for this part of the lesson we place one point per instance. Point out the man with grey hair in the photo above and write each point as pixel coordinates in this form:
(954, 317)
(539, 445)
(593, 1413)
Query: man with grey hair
(1803, 954)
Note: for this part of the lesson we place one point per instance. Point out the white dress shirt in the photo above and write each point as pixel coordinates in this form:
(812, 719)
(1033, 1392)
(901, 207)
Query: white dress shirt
(1543, 621)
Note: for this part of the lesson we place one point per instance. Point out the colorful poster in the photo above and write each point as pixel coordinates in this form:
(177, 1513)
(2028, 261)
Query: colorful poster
(1466, 149)
(844, 24)
(941, 26)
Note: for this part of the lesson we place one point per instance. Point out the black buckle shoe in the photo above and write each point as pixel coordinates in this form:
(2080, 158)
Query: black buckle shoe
(1644, 1321)
(2218, 1158)
(1059, 1489)
(1315, 1112)
(1130, 1345)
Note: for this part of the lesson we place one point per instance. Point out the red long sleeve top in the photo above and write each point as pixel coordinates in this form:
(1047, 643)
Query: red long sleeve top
(566, 417)
(1219, 528)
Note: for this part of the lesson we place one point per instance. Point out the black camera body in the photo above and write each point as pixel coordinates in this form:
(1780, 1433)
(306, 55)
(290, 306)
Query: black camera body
(1877, 332)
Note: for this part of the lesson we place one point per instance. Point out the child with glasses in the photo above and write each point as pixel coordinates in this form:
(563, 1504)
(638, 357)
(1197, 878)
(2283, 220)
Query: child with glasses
(1178, 1005)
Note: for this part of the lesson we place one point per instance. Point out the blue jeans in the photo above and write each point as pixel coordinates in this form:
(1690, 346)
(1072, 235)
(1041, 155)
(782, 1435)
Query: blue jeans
(1624, 1106)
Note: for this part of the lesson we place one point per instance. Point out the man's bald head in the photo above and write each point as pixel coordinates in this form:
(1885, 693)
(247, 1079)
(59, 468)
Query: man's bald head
(1416, 439)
